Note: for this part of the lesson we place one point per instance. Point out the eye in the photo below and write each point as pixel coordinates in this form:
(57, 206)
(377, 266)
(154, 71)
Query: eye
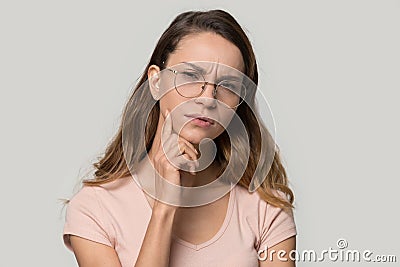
(231, 85)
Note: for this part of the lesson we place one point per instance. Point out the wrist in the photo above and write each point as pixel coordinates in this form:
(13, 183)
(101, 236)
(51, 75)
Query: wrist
(163, 210)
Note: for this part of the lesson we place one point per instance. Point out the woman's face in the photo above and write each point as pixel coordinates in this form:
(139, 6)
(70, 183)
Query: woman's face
(210, 47)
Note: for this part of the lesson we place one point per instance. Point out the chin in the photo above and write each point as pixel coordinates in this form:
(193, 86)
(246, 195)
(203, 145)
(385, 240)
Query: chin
(195, 136)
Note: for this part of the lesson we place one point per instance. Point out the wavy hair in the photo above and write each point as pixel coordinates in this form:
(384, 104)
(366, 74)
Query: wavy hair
(112, 165)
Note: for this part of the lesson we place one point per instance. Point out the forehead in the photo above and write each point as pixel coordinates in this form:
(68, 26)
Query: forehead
(207, 47)
(209, 69)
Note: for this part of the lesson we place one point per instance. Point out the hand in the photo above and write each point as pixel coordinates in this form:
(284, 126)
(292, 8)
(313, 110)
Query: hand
(180, 152)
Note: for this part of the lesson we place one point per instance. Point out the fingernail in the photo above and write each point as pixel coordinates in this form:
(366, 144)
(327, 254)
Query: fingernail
(192, 170)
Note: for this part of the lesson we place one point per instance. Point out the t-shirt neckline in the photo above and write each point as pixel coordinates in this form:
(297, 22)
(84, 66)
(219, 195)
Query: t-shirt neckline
(220, 232)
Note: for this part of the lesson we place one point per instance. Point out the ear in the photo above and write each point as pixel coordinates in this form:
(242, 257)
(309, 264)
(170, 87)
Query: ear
(153, 76)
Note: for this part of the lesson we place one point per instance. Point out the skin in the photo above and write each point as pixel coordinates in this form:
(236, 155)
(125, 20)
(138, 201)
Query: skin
(200, 47)
(167, 219)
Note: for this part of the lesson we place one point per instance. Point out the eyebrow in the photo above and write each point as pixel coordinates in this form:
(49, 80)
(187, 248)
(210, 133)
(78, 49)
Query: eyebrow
(230, 78)
(203, 72)
(194, 66)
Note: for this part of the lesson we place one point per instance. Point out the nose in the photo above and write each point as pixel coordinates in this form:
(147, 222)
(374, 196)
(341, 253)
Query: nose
(207, 98)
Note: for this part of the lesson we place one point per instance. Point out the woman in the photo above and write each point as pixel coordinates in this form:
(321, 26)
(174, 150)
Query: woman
(140, 210)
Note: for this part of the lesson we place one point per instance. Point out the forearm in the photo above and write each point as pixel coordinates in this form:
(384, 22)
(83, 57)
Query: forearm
(157, 239)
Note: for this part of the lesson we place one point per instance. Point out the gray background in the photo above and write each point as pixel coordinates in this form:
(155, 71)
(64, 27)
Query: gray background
(330, 71)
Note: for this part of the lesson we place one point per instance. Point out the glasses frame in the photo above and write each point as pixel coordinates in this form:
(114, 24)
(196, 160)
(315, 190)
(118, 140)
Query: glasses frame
(203, 88)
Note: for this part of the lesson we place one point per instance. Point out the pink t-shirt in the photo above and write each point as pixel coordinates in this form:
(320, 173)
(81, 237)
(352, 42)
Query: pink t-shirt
(117, 214)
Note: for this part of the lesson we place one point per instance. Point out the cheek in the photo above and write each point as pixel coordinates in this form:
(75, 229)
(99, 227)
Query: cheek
(226, 117)
(219, 129)
(169, 101)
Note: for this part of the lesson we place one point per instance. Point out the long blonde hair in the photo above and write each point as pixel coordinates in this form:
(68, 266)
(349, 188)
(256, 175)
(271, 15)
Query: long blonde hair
(112, 165)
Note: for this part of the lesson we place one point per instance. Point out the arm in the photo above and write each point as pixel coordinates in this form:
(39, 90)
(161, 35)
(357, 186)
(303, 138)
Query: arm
(159, 231)
(92, 254)
(287, 245)
(85, 232)
(157, 238)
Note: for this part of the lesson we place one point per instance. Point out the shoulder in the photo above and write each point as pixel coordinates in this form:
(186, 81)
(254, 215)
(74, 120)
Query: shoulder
(94, 212)
(269, 223)
(85, 197)
(252, 203)
(248, 199)
(84, 217)
(115, 189)
(105, 200)
(121, 199)
(116, 186)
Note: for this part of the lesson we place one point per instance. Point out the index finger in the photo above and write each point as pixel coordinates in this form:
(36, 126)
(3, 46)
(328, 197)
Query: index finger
(167, 127)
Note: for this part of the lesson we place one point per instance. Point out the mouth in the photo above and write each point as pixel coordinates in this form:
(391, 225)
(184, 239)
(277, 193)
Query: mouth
(201, 118)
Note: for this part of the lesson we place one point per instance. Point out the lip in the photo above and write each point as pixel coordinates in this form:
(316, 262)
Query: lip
(201, 117)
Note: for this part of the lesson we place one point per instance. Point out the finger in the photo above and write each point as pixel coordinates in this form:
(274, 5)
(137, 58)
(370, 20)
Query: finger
(180, 156)
(185, 149)
(167, 124)
(182, 163)
(180, 150)
(190, 158)
(170, 144)
(190, 145)
(167, 133)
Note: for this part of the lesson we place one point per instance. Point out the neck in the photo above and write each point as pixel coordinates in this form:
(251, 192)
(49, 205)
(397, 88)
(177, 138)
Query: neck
(201, 178)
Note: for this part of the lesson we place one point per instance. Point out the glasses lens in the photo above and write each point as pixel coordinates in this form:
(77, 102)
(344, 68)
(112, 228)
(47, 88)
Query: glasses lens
(231, 92)
(189, 82)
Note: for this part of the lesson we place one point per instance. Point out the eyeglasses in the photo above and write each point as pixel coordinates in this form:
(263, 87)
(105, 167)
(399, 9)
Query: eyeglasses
(191, 83)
